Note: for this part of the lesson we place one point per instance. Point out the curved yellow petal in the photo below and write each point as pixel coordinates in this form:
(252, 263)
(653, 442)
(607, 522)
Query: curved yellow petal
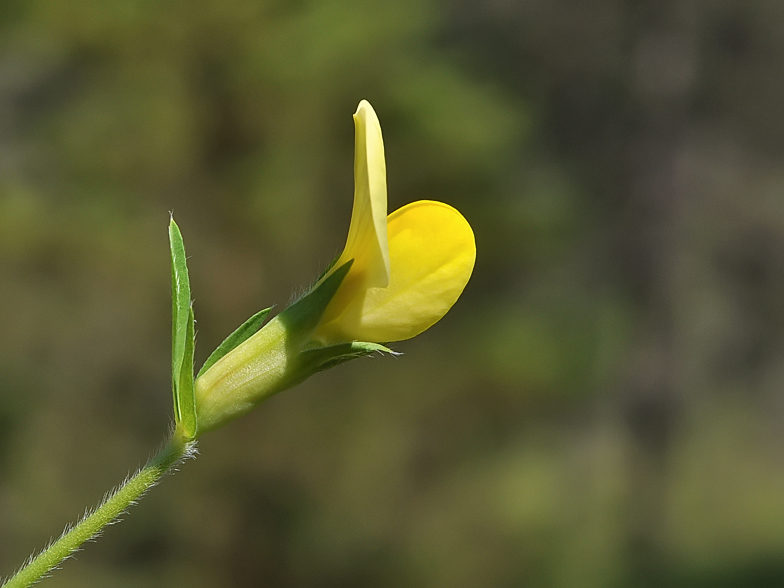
(431, 254)
(367, 234)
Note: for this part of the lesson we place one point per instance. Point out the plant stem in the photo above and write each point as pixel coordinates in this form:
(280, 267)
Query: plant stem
(114, 505)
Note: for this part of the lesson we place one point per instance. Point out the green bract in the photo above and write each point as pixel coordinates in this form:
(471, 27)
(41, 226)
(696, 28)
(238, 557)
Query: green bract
(183, 338)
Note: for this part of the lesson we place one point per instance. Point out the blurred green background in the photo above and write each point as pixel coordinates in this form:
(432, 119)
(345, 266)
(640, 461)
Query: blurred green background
(602, 407)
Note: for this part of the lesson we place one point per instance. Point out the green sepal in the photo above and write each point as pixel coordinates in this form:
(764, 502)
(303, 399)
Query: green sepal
(302, 317)
(183, 336)
(321, 358)
(242, 334)
(330, 265)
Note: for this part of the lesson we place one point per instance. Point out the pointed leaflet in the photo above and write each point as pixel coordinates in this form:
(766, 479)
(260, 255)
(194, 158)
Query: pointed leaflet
(243, 332)
(183, 339)
(186, 393)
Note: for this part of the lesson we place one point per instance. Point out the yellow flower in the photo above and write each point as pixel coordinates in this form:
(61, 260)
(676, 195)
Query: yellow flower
(409, 268)
(396, 277)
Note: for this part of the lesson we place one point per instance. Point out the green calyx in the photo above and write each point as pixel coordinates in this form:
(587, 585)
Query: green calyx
(254, 362)
(277, 357)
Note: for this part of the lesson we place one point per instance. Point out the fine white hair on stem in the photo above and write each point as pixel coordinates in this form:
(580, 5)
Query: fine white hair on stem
(165, 462)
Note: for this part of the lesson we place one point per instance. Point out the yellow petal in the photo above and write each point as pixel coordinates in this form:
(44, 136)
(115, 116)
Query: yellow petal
(367, 234)
(431, 254)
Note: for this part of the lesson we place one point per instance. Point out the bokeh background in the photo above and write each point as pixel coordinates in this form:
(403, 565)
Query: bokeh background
(602, 407)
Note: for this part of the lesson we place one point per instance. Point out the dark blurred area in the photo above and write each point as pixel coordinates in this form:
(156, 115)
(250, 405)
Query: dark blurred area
(602, 407)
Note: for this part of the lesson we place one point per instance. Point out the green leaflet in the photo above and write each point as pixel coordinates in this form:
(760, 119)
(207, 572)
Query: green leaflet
(242, 334)
(183, 336)
(186, 393)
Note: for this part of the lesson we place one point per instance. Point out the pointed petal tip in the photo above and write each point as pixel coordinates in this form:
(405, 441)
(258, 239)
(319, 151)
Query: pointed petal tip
(363, 105)
(366, 113)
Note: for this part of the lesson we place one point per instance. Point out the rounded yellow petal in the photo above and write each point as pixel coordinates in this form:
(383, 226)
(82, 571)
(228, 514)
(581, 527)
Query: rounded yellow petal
(431, 255)
(367, 235)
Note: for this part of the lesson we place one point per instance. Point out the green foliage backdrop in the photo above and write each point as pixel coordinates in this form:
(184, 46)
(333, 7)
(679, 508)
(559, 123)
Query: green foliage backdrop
(603, 406)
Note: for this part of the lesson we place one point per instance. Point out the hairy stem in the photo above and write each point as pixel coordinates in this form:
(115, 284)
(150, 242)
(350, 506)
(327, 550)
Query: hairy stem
(115, 504)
